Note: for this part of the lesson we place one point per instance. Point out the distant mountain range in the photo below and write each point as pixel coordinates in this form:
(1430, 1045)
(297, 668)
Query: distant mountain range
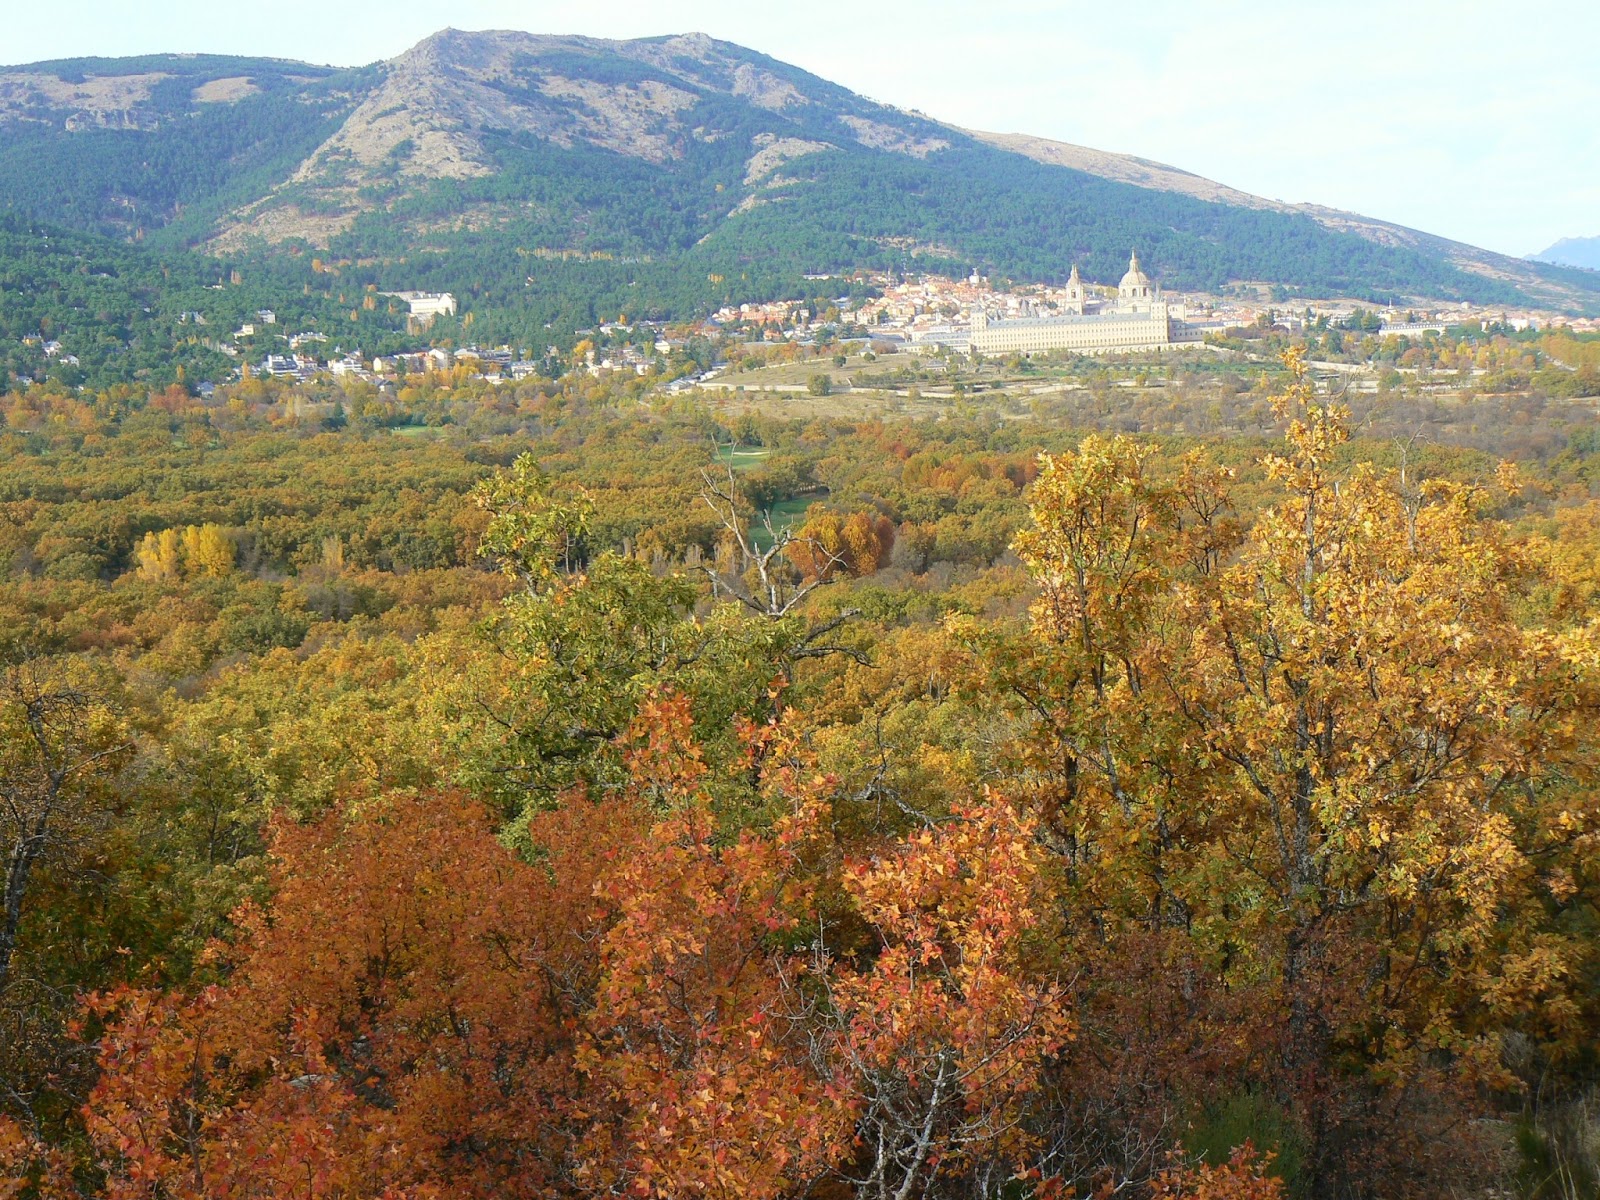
(662, 173)
(1572, 252)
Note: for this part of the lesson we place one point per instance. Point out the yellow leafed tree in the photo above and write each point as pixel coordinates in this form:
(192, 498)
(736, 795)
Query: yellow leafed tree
(160, 556)
(207, 550)
(1323, 753)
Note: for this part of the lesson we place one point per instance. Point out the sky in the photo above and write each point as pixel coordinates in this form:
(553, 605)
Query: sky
(1475, 120)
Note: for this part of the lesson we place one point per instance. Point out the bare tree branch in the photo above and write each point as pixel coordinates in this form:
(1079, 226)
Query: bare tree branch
(778, 588)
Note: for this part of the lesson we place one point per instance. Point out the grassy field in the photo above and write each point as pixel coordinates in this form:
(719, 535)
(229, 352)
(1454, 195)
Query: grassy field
(784, 514)
(742, 458)
(918, 385)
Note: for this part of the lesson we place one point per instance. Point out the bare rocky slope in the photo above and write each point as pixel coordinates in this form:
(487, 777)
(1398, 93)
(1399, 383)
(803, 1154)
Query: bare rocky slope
(439, 105)
(662, 147)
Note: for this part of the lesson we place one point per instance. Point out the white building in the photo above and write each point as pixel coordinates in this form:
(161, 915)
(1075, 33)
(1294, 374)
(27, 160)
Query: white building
(1140, 319)
(952, 337)
(1413, 329)
(425, 306)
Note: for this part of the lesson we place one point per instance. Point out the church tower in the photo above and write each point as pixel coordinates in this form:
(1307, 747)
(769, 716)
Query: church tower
(1075, 295)
(1135, 288)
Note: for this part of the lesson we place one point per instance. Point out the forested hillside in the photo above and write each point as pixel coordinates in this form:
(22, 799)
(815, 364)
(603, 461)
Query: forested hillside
(504, 807)
(135, 315)
(200, 134)
(83, 310)
(500, 164)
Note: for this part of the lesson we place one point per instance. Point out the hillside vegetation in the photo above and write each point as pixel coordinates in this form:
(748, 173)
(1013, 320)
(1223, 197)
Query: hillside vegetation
(510, 155)
(508, 810)
(670, 761)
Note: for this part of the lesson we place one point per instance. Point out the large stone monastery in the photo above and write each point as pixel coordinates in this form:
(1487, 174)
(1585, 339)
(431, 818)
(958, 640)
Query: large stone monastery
(1139, 319)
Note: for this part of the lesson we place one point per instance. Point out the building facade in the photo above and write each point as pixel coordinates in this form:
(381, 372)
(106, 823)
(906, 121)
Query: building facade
(425, 306)
(1139, 319)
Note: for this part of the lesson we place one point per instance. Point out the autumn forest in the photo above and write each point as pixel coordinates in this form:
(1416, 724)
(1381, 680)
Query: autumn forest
(601, 794)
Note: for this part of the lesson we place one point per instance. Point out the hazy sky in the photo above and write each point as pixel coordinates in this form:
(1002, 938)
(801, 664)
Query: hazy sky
(1476, 120)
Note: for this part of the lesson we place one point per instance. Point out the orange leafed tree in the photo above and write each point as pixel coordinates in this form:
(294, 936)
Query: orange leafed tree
(701, 1084)
(1313, 756)
(647, 1005)
(831, 543)
(398, 1022)
(419, 1012)
(944, 1030)
(1242, 1177)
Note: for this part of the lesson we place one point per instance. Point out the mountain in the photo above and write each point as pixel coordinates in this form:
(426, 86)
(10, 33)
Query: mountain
(133, 146)
(656, 175)
(1558, 289)
(1572, 252)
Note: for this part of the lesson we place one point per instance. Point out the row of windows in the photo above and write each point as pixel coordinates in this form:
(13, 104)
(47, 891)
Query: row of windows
(1111, 336)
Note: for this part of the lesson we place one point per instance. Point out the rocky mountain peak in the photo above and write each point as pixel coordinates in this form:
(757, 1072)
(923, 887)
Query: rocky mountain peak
(563, 144)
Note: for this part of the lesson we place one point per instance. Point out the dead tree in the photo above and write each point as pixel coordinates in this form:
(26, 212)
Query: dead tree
(765, 581)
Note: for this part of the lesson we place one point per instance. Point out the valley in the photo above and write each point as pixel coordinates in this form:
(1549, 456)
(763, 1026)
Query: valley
(589, 618)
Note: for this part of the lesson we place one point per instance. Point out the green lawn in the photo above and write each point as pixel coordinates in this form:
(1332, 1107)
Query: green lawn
(784, 514)
(742, 458)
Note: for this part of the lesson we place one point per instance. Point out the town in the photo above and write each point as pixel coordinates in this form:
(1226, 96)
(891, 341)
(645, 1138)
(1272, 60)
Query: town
(879, 314)
(969, 318)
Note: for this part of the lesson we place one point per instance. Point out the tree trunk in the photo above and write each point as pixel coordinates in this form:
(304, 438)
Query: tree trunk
(18, 869)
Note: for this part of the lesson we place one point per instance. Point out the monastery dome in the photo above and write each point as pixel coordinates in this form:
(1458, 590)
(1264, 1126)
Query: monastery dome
(1135, 282)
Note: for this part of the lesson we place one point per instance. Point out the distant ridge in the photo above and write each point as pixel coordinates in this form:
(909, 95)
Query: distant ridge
(1573, 252)
(476, 152)
(1145, 173)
